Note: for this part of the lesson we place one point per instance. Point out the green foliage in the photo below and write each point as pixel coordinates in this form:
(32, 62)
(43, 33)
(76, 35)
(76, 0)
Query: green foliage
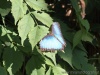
(77, 38)
(24, 26)
(59, 71)
(21, 8)
(2, 71)
(37, 5)
(36, 34)
(35, 66)
(23, 23)
(12, 59)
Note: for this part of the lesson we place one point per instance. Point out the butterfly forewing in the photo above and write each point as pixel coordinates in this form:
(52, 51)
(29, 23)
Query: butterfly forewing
(57, 32)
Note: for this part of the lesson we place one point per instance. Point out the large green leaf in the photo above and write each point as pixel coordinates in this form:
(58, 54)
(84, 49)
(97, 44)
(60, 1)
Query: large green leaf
(35, 65)
(79, 58)
(67, 54)
(3, 71)
(13, 60)
(18, 9)
(37, 4)
(24, 26)
(36, 34)
(77, 38)
(44, 18)
(80, 62)
(59, 71)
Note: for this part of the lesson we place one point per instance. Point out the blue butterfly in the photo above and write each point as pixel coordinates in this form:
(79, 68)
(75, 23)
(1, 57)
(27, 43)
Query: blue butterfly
(54, 40)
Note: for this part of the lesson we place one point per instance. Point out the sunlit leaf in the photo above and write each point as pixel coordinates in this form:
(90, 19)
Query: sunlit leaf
(37, 4)
(48, 61)
(44, 18)
(4, 30)
(59, 71)
(18, 9)
(36, 34)
(40, 71)
(51, 56)
(49, 71)
(24, 26)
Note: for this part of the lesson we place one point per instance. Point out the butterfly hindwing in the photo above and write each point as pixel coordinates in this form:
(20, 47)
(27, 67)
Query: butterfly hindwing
(50, 43)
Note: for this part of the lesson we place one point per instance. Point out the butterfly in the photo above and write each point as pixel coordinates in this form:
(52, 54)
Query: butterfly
(54, 40)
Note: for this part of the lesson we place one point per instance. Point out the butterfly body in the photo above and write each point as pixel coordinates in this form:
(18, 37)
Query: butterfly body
(54, 40)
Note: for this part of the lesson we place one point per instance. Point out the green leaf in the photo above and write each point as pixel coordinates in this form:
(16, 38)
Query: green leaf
(86, 36)
(51, 56)
(36, 34)
(35, 65)
(79, 58)
(4, 12)
(80, 62)
(18, 7)
(3, 71)
(75, 5)
(81, 47)
(48, 62)
(13, 60)
(83, 22)
(77, 10)
(44, 18)
(5, 30)
(5, 4)
(77, 38)
(49, 71)
(67, 54)
(86, 24)
(40, 71)
(59, 71)
(24, 26)
(37, 4)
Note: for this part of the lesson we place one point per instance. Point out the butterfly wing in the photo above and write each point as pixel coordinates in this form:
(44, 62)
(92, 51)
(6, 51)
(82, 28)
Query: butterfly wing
(57, 32)
(50, 43)
(54, 40)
